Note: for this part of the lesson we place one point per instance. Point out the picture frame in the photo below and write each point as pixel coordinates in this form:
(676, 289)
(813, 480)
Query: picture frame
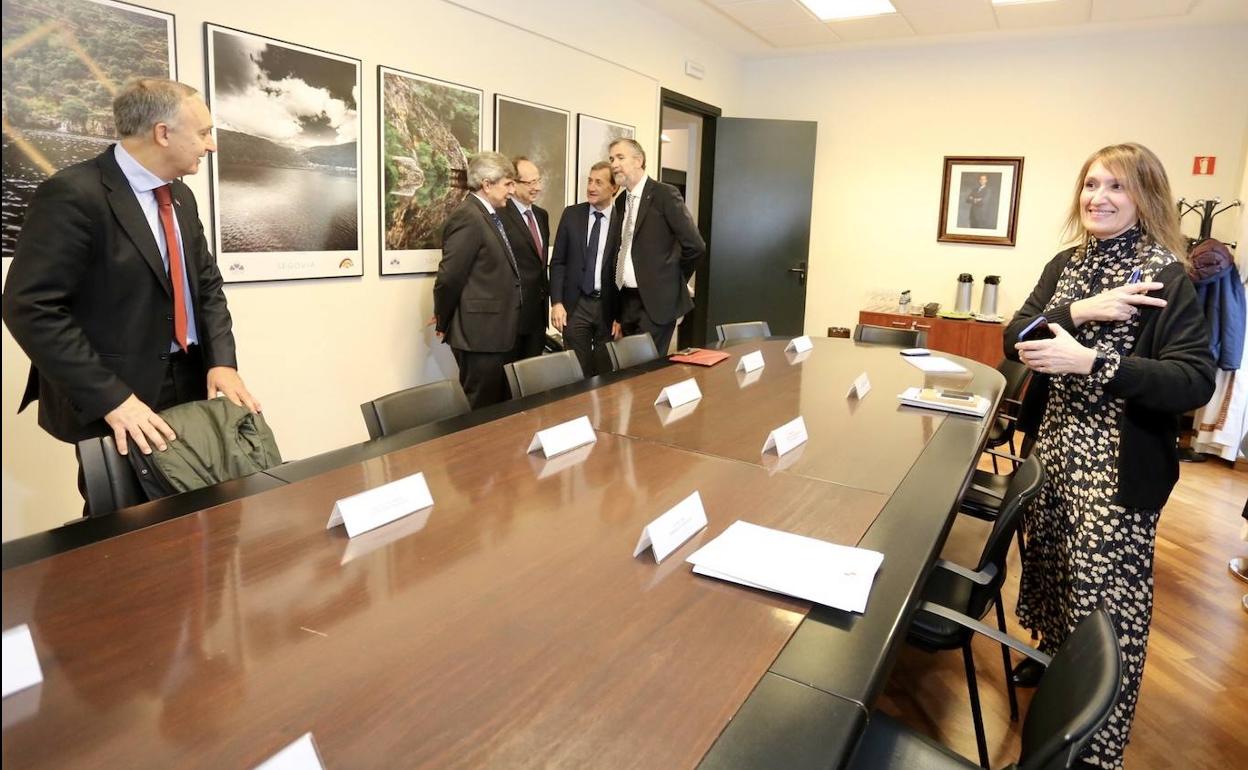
(57, 115)
(427, 130)
(287, 198)
(540, 133)
(593, 138)
(979, 200)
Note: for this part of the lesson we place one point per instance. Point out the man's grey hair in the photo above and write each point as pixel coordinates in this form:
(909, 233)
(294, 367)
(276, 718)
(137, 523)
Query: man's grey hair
(145, 102)
(634, 145)
(489, 167)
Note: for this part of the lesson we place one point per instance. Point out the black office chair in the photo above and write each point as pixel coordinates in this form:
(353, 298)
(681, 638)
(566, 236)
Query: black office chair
(411, 407)
(884, 335)
(1003, 426)
(631, 350)
(974, 593)
(542, 373)
(742, 331)
(1073, 701)
(111, 481)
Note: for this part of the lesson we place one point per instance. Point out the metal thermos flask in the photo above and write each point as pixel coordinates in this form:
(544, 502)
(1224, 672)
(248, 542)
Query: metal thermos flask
(988, 302)
(963, 304)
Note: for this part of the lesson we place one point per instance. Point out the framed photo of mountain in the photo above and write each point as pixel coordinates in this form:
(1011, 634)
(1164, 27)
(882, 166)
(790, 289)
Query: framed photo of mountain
(428, 129)
(593, 142)
(64, 61)
(539, 133)
(286, 174)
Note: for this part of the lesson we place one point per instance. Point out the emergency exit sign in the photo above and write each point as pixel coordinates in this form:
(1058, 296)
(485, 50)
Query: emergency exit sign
(1203, 165)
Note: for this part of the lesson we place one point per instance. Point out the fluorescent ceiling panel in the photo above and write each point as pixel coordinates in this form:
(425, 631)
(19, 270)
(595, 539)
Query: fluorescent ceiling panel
(836, 10)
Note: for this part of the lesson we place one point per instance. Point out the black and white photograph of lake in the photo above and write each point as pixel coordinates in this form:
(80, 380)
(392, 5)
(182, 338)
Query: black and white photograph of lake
(286, 176)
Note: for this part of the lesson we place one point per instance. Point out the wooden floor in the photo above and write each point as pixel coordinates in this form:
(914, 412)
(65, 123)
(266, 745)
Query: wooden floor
(1193, 709)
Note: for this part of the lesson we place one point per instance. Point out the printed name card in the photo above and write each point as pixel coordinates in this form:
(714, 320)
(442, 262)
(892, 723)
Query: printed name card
(787, 436)
(21, 664)
(800, 344)
(300, 755)
(860, 388)
(679, 394)
(751, 361)
(562, 437)
(668, 532)
(369, 510)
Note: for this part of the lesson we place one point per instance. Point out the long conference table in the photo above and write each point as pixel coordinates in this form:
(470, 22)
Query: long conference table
(508, 626)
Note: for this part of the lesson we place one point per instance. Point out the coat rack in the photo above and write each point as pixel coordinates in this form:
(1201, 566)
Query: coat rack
(1208, 210)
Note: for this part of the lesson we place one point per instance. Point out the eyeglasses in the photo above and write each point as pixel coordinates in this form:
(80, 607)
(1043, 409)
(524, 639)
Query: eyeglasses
(529, 181)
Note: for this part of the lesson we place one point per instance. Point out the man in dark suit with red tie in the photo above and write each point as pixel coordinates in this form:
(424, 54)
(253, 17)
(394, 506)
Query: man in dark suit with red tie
(113, 293)
(582, 271)
(477, 293)
(659, 248)
(528, 228)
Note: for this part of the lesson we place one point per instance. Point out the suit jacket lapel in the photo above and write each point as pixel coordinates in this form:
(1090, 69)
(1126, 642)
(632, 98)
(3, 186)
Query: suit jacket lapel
(643, 206)
(126, 208)
(498, 236)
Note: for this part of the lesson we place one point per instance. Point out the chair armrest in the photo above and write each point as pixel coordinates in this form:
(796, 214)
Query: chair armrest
(968, 622)
(981, 578)
(986, 491)
(1005, 456)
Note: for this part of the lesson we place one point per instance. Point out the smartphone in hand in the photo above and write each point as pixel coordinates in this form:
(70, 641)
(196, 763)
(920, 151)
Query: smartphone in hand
(1036, 330)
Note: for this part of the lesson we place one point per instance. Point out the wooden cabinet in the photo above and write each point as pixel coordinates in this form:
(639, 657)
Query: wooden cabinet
(973, 339)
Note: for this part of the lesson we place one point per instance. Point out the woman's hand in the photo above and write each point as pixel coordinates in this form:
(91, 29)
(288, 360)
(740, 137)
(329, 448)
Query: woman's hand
(1060, 355)
(1117, 304)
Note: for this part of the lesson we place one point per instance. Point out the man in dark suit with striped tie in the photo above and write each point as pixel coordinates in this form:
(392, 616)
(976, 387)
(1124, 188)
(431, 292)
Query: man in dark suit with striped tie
(582, 271)
(477, 295)
(528, 229)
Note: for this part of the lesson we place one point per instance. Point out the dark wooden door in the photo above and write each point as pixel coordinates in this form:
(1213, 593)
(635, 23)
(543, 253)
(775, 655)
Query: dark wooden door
(760, 229)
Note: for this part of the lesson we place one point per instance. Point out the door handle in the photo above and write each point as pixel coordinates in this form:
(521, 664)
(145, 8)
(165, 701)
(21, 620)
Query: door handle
(800, 269)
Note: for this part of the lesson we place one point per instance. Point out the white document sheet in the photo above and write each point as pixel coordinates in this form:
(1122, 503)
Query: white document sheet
(835, 575)
(934, 364)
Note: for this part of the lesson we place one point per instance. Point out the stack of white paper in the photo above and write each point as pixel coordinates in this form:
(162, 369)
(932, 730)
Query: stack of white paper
(935, 364)
(977, 407)
(827, 573)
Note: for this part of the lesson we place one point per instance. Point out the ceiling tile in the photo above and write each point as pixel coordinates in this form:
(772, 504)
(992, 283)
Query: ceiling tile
(798, 35)
(1032, 15)
(872, 28)
(1126, 10)
(761, 14)
(947, 17)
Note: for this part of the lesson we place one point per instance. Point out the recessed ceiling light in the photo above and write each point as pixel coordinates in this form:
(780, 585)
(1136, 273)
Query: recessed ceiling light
(838, 10)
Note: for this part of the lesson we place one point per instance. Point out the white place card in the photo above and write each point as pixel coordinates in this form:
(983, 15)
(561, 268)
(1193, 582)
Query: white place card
(800, 344)
(796, 358)
(385, 536)
(860, 388)
(935, 364)
(21, 663)
(787, 436)
(300, 755)
(668, 532)
(679, 394)
(562, 437)
(751, 361)
(382, 505)
(560, 463)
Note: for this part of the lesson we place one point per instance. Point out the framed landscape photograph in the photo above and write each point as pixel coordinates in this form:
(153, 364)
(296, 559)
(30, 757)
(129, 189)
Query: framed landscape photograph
(539, 133)
(64, 61)
(593, 141)
(979, 200)
(286, 173)
(429, 128)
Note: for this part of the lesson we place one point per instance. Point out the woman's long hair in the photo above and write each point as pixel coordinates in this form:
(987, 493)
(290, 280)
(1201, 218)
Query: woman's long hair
(1144, 179)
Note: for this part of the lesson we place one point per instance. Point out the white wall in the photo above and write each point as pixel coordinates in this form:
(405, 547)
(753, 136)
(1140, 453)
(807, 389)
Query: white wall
(313, 350)
(888, 117)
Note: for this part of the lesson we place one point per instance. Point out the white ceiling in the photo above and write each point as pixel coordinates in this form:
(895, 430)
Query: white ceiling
(771, 27)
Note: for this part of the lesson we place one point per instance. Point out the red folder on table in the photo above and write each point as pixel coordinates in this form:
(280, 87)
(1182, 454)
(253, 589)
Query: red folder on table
(701, 357)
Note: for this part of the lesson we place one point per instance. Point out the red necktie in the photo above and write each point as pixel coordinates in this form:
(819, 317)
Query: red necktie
(537, 239)
(164, 197)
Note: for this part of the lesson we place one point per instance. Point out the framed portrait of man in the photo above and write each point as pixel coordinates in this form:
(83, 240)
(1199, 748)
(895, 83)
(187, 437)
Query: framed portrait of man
(979, 200)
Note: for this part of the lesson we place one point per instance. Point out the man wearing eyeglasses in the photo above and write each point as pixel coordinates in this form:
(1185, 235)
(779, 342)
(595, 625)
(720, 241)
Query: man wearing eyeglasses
(528, 228)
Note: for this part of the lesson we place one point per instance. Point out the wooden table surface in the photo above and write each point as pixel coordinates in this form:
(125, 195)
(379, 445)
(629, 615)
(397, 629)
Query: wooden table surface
(507, 626)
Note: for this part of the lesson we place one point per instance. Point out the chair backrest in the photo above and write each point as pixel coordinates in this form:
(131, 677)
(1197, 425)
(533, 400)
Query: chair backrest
(110, 480)
(1075, 696)
(541, 373)
(1016, 376)
(742, 331)
(411, 407)
(884, 335)
(1025, 484)
(631, 350)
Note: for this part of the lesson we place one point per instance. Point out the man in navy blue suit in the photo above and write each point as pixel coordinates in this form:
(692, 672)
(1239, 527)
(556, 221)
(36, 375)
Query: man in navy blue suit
(582, 270)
